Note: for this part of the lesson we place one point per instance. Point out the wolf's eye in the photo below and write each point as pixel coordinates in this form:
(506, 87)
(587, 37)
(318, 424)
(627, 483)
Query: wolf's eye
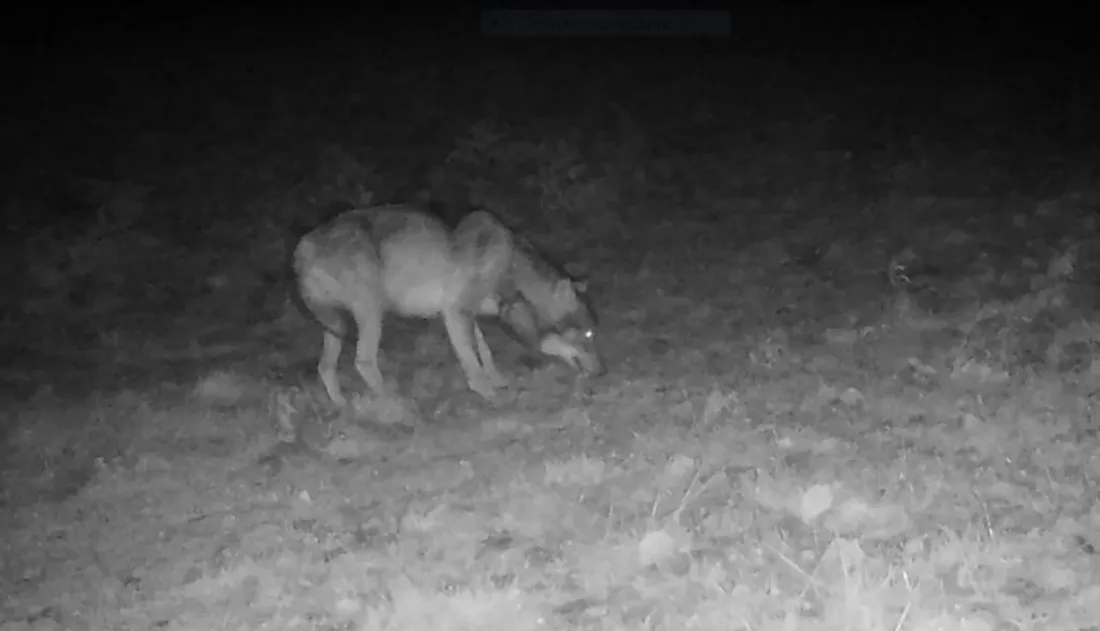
(589, 334)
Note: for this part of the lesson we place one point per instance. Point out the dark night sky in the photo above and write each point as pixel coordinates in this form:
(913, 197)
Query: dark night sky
(903, 31)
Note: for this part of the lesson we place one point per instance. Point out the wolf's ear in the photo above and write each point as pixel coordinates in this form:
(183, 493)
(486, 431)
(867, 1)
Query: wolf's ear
(564, 290)
(576, 269)
(578, 274)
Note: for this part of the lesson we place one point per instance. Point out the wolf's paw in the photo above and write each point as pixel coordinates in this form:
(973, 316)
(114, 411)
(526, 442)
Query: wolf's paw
(337, 402)
(483, 385)
(496, 379)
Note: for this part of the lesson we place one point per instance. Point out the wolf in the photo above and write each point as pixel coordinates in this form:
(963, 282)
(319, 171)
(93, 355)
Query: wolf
(401, 259)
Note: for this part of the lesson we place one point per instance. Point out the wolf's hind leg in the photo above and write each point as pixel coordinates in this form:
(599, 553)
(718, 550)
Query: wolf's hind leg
(368, 318)
(327, 368)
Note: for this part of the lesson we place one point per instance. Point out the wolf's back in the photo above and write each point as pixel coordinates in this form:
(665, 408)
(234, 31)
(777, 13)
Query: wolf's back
(400, 255)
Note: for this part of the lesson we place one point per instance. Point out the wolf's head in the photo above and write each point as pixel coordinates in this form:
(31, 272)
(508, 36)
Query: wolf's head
(560, 324)
(572, 338)
(576, 347)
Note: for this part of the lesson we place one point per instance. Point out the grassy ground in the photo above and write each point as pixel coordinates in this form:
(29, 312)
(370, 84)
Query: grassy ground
(851, 334)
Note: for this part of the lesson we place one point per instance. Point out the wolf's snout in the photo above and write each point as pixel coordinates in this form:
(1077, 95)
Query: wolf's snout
(591, 365)
(600, 369)
(580, 356)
